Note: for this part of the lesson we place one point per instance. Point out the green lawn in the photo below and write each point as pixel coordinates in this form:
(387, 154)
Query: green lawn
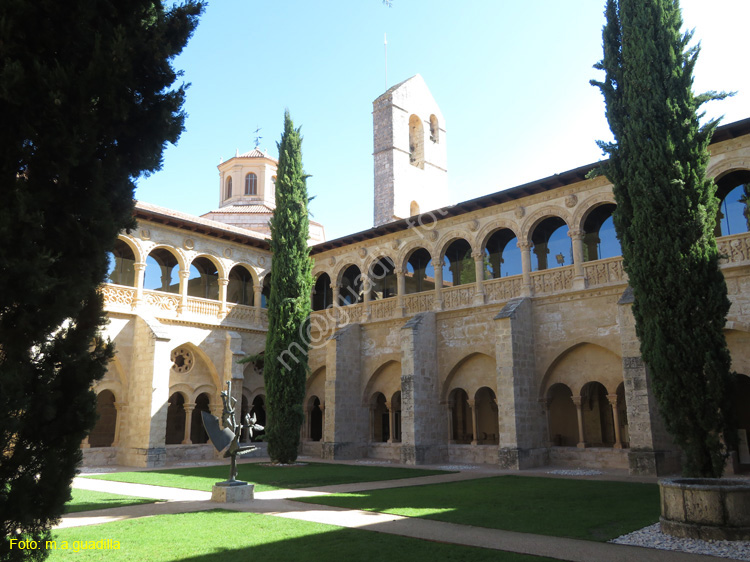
(224, 536)
(267, 477)
(592, 510)
(86, 500)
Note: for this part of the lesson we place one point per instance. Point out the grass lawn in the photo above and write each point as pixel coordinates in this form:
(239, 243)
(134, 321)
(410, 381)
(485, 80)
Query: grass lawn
(86, 500)
(592, 510)
(224, 536)
(266, 477)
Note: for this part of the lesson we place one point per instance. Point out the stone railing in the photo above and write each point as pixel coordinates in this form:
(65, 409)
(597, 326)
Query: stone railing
(163, 302)
(240, 313)
(735, 248)
(459, 297)
(383, 309)
(419, 302)
(552, 280)
(503, 289)
(117, 296)
(605, 272)
(351, 314)
(203, 307)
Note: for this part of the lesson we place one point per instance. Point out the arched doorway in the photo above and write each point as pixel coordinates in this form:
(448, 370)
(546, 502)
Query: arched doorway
(461, 430)
(316, 420)
(103, 434)
(562, 417)
(197, 431)
(175, 432)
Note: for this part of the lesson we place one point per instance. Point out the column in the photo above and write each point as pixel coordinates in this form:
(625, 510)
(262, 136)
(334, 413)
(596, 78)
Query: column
(336, 293)
(616, 418)
(257, 301)
(118, 422)
(322, 421)
(545, 404)
(526, 287)
(437, 265)
(451, 404)
(223, 282)
(581, 438)
(184, 275)
(391, 424)
(472, 405)
(140, 274)
(366, 287)
(479, 272)
(189, 407)
(85, 443)
(579, 281)
(400, 291)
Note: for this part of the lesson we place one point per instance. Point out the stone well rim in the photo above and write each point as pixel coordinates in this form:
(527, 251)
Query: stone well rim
(700, 483)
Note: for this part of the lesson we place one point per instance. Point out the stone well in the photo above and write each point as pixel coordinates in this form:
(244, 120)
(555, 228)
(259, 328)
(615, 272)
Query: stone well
(705, 508)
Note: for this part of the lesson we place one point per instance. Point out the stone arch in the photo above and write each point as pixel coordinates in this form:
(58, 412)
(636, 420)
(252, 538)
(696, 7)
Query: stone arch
(732, 190)
(103, 433)
(379, 418)
(562, 419)
(221, 267)
(605, 367)
(535, 218)
(161, 254)
(457, 259)
(596, 413)
(586, 206)
(471, 373)
(451, 236)
(204, 359)
(240, 290)
(416, 141)
(434, 129)
(175, 426)
(493, 226)
(322, 296)
(720, 168)
(488, 428)
(250, 269)
(386, 379)
(198, 433)
(134, 246)
(413, 209)
(314, 413)
(738, 342)
(599, 235)
(461, 429)
(402, 259)
(381, 272)
(501, 254)
(351, 285)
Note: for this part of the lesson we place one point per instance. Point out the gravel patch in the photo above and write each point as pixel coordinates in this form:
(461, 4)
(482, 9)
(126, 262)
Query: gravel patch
(457, 467)
(95, 469)
(373, 462)
(652, 537)
(576, 472)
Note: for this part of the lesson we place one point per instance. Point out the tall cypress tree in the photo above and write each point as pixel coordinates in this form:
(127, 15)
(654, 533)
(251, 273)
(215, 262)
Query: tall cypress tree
(285, 368)
(665, 218)
(87, 105)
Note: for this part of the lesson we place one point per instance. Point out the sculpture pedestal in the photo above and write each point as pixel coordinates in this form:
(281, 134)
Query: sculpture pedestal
(232, 492)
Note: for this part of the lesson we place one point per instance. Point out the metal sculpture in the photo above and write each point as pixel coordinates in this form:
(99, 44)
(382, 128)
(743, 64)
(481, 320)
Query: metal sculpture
(225, 435)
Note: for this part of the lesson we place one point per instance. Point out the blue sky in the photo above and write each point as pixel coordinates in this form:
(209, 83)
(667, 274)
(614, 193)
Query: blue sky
(511, 79)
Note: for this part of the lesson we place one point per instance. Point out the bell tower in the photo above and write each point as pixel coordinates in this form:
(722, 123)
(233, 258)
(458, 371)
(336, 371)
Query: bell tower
(410, 156)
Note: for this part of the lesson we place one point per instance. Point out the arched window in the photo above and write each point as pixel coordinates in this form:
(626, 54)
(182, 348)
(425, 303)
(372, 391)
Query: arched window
(502, 257)
(240, 286)
(420, 275)
(259, 411)
(733, 191)
(380, 430)
(416, 142)
(322, 293)
(251, 184)
(204, 279)
(197, 431)
(162, 272)
(488, 432)
(351, 286)
(461, 426)
(103, 434)
(315, 419)
(434, 129)
(175, 432)
(600, 240)
(121, 267)
(229, 188)
(265, 292)
(458, 267)
(413, 209)
(382, 279)
(552, 245)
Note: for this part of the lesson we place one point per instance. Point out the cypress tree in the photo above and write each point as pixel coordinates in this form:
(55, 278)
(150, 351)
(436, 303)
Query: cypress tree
(286, 366)
(87, 104)
(665, 219)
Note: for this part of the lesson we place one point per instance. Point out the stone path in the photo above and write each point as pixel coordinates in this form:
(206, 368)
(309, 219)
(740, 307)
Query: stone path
(280, 503)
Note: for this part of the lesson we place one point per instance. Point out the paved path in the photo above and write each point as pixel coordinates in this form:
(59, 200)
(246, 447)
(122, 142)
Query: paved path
(280, 503)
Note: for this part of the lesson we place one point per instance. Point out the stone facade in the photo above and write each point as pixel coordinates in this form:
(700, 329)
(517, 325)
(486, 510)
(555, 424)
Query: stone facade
(461, 335)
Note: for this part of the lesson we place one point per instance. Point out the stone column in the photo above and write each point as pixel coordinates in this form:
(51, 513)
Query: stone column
(400, 291)
(346, 421)
(336, 304)
(472, 405)
(189, 408)
(479, 272)
(140, 274)
(184, 275)
(526, 287)
(391, 421)
(366, 288)
(223, 282)
(521, 426)
(422, 423)
(257, 301)
(372, 423)
(652, 450)
(437, 265)
(616, 419)
(577, 400)
(579, 281)
(323, 421)
(451, 404)
(119, 409)
(85, 443)
(545, 403)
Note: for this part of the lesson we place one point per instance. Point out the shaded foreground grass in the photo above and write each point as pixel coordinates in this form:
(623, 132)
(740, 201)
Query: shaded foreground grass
(86, 500)
(223, 536)
(266, 477)
(592, 510)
